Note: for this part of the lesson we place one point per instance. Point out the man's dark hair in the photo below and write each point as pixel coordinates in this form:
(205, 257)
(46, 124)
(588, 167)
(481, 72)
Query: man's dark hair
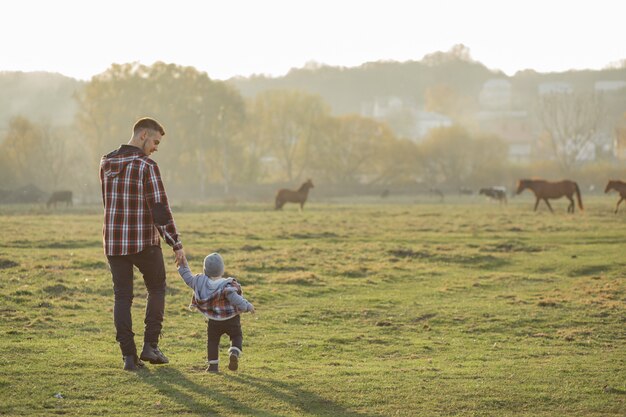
(148, 123)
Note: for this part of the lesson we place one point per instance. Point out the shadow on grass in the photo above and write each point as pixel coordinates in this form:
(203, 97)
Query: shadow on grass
(470, 260)
(589, 270)
(307, 402)
(176, 386)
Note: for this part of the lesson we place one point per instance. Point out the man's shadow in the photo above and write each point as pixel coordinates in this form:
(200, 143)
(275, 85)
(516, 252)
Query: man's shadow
(176, 386)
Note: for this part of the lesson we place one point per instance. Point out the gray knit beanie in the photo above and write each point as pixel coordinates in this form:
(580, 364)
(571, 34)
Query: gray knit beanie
(214, 265)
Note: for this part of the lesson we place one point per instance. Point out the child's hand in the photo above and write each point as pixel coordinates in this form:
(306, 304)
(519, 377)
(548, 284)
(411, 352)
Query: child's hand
(181, 260)
(251, 309)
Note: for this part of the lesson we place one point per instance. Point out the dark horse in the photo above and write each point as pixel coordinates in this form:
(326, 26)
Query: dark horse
(290, 196)
(495, 193)
(620, 187)
(60, 197)
(546, 189)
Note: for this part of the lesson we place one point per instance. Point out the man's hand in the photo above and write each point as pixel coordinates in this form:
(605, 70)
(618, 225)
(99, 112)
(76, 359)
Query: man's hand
(181, 260)
(251, 309)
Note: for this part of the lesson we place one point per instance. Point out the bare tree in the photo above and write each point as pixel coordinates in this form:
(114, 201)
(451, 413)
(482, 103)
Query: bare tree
(571, 122)
(289, 123)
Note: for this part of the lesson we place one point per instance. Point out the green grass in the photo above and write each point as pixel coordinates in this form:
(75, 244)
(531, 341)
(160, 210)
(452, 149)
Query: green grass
(363, 310)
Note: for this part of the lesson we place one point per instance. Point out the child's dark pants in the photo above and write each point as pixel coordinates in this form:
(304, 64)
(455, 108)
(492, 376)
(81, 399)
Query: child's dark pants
(215, 330)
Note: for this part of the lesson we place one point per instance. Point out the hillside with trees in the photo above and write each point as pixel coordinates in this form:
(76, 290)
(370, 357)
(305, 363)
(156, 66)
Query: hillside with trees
(346, 89)
(41, 96)
(227, 136)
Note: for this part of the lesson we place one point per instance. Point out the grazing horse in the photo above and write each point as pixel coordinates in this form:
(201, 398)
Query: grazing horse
(546, 189)
(437, 192)
(60, 197)
(290, 196)
(620, 187)
(495, 193)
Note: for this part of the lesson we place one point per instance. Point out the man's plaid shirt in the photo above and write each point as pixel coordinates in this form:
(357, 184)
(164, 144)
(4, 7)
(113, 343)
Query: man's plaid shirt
(136, 210)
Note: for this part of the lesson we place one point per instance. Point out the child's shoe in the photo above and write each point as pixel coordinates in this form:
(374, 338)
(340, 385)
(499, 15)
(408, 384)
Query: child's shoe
(213, 367)
(233, 364)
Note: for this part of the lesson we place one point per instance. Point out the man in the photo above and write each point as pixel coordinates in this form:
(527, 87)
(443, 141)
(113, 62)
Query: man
(136, 212)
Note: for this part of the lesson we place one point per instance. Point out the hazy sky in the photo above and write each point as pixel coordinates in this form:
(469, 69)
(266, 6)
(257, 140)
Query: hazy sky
(241, 37)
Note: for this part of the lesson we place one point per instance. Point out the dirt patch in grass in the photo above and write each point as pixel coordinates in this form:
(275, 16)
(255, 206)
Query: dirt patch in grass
(548, 303)
(608, 294)
(423, 317)
(251, 248)
(307, 279)
(355, 273)
(323, 235)
(5, 263)
(574, 334)
(274, 268)
(90, 265)
(590, 270)
(462, 259)
(46, 244)
(410, 253)
(57, 289)
(510, 246)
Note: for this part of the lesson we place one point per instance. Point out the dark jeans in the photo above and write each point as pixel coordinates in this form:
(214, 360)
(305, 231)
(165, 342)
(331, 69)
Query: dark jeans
(150, 264)
(215, 330)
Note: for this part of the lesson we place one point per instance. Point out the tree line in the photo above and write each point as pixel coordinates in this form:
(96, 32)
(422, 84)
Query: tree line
(216, 136)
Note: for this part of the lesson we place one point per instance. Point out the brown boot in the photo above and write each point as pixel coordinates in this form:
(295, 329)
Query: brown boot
(153, 354)
(132, 363)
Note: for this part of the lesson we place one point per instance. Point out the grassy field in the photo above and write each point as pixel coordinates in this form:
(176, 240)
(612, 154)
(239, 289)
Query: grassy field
(396, 309)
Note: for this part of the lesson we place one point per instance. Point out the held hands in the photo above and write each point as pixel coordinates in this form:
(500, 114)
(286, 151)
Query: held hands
(180, 260)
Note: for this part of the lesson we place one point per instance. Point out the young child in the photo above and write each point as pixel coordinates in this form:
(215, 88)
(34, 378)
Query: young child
(220, 300)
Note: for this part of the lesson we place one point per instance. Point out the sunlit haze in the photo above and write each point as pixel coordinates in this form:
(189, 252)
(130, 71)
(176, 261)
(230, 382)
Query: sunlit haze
(239, 37)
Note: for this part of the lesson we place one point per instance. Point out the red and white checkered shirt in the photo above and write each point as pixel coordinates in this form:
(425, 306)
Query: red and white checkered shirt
(218, 306)
(136, 210)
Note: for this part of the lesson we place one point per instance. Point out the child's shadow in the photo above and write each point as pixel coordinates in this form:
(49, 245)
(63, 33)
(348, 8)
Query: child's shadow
(291, 393)
(173, 384)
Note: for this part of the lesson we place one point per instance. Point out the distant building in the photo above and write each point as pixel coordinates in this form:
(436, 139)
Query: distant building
(609, 85)
(381, 108)
(495, 94)
(426, 121)
(404, 118)
(555, 87)
(514, 128)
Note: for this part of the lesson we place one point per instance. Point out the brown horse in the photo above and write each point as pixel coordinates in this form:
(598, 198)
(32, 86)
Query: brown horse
(545, 189)
(620, 187)
(60, 197)
(289, 196)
